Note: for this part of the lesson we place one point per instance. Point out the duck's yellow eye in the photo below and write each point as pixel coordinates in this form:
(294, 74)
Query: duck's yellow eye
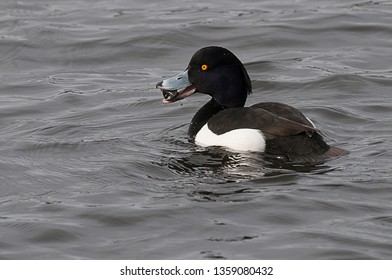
(204, 67)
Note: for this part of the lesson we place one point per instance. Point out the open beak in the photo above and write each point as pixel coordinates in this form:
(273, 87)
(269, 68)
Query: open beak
(176, 88)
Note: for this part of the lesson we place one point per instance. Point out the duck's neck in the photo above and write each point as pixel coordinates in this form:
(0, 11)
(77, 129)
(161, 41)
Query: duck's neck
(203, 115)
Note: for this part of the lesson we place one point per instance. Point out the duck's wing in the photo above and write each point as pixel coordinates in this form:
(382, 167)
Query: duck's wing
(273, 119)
(285, 110)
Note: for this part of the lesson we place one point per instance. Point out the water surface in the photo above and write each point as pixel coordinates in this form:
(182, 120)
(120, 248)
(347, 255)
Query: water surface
(94, 166)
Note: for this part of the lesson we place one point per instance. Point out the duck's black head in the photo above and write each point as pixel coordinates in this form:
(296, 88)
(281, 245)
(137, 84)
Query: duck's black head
(214, 71)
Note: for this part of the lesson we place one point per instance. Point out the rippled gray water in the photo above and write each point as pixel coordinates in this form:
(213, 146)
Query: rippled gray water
(93, 165)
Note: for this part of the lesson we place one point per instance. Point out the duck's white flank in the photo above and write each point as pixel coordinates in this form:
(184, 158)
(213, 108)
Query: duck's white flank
(243, 139)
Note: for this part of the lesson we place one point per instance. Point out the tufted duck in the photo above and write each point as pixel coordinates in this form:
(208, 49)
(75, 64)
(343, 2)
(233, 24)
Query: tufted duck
(274, 128)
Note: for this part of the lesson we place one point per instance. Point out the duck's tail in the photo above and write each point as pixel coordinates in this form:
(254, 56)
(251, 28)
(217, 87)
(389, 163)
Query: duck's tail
(335, 152)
